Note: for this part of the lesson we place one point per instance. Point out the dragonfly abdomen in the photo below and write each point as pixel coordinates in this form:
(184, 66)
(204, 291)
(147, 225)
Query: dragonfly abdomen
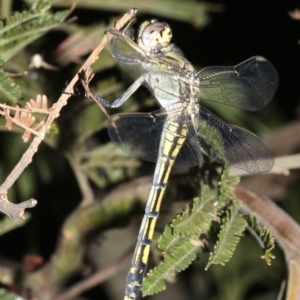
(172, 139)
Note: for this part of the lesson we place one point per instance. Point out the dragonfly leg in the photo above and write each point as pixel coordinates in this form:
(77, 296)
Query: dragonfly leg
(118, 102)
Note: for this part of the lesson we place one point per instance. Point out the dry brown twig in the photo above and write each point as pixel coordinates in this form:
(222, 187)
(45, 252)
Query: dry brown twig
(85, 79)
(23, 118)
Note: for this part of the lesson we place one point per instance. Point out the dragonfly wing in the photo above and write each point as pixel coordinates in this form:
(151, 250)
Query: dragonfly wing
(231, 145)
(249, 85)
(128, 54)
(138, 134)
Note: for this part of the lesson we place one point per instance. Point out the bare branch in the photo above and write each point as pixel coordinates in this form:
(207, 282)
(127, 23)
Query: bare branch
(15, 211)
(85, 80)
(96, 279)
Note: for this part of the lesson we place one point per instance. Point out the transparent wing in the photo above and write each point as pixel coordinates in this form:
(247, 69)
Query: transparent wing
(139, 134)
(249, 85)
(231, 145)
(128, 54)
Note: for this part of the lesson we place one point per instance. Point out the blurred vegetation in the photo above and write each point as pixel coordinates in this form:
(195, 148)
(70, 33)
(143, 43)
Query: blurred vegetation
(90, 194)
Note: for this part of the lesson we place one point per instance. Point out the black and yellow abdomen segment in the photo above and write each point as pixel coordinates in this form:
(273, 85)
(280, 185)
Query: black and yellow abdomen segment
(172, 139)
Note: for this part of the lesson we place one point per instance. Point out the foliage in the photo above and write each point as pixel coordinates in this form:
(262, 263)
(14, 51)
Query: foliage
(232, 228)
(9, 88)
(188, 235)
(19, 30)
(264, 236)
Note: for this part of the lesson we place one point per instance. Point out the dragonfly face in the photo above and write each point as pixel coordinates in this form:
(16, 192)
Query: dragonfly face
(182, 129)
(154, 36)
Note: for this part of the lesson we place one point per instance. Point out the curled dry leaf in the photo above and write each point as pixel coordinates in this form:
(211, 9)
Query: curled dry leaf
(38, 105)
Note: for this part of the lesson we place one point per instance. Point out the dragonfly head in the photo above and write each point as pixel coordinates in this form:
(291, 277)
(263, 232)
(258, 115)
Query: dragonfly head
(154, 36)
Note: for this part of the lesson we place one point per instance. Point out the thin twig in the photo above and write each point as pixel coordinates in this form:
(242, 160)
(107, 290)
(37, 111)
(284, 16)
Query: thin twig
(15, 211)
(95, 54)
(85, 81)
(96, 279)
(26, 110)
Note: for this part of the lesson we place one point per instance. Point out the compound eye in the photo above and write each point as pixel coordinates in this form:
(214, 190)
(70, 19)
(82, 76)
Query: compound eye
(156, 35)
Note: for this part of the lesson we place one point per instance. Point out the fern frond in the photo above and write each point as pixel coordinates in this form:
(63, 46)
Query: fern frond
(229, 236)
(20, 29)
(180, 241)
(181, 253)
(17, 19)
(41, 4)
(268, 256)
(9, 88)
(177, 241)
(227, 186)
(198, 217)
(264, 236)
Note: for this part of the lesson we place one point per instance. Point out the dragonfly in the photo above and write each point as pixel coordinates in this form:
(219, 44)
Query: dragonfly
(182, 131)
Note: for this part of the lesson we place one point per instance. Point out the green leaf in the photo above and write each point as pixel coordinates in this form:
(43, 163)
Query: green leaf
(20, 29)
(41, 4)
(181, 253)
(180, 241)
(229, 236)
(177, 240)
(9, 89)
(197, 217)
(264, 237)
(227, 186)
